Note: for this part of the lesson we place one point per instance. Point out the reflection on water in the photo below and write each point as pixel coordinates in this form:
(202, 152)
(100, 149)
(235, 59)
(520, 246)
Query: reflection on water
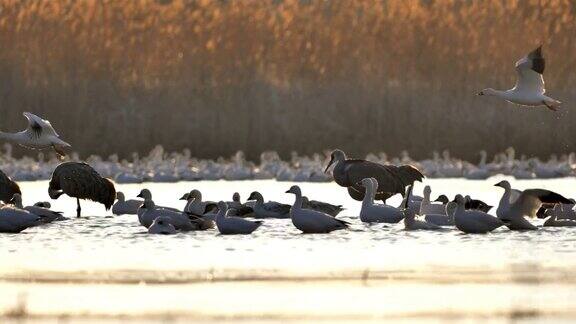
(366, 262)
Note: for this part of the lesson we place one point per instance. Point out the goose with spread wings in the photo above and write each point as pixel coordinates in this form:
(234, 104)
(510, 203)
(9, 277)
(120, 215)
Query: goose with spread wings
(38, 135)
(515, 205)
(529, 89)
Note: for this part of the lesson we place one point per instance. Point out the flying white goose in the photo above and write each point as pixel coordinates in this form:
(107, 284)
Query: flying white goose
(529, 89)
(15, 220)
(233, 225)
(427, 207)
(443, 220)
(125, 207)
(47, 216)
(39, 135)
(515, 205)
(373, 213)
(162, 225)
(474, 221)
(269, 209)
(410, 221)
(311, 221)
(554, 222)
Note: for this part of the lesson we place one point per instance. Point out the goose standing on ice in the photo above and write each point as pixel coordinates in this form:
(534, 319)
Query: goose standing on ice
(39, 135)
(391, 179)
(8, 188)
(529, 89)
(81, 181)
(230, 225)
(515, 205)
(162, 225)
(474, 221)
(126, 207)
(269, 209)
(372, 213)
(311, 221)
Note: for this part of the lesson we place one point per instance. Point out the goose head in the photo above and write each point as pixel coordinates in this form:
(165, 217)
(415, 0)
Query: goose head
(367, 182)
(162, 225)
(336, 156)
(443, 199)
(255, 195)
(295, 190)
(146, 194)
(460, 201)
(504, 184)
(120, 196)
(222, 207)
(236, 197)
(427, 191)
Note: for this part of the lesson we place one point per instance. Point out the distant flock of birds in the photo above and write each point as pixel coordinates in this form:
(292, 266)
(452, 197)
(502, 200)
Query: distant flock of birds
(366, 181)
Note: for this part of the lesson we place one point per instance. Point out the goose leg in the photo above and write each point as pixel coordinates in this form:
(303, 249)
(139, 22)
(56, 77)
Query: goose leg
(78, 209)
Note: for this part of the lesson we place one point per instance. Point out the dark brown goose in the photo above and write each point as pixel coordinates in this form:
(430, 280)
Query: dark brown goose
(81, 181)
(391, 179)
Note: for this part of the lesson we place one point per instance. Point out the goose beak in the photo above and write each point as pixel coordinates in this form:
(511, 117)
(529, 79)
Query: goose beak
(288, 191)
(184, 197)
(329, 164)
(140, 195)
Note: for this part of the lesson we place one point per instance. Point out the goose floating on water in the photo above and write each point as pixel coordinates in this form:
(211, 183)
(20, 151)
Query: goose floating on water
(391, 179)
(529, 89)
(230, 225)
(269, 209)
(374, 213)
(515, 205)
(162, 225)
(474, 221)
(46, 214)
(410, 221)
(311, 221)
(427, 207)
(126, 207)
(39, 135)
(15, 220)
(553, 220)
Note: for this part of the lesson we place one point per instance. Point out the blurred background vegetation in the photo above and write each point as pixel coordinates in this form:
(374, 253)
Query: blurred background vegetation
(218, 76)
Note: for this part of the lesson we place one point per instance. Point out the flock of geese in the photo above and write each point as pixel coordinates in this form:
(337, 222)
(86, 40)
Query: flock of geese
(365, 180)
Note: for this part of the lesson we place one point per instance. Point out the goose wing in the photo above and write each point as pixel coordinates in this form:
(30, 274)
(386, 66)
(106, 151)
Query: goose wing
(529, 71)
(531, 200)
(38, 126)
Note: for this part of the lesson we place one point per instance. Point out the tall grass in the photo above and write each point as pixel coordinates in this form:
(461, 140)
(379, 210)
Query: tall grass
(221, 75)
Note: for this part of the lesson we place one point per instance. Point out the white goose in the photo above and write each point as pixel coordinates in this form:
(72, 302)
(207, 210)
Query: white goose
(373, 213)
(162, 225)
(228, 225)
(125, 207)
(15, 220)
(554, 222)
(311, 221)
(410, 221)
(474, 221)
(529, 89)
(515, 205)
(427, 207)
(39, 135)
(443, 220)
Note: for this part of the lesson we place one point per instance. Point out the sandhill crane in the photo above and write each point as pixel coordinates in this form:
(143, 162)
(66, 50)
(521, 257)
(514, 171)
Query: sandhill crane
(391, 179)
(8, 188)
(81, 181)
(38, 135)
